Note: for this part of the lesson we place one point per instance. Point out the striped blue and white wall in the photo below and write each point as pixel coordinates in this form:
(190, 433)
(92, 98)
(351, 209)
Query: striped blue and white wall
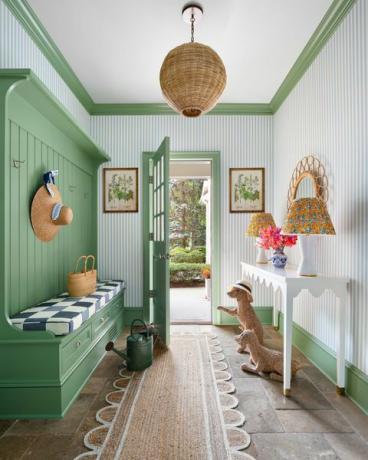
(327, 115)
(18, 50)
(241, 140)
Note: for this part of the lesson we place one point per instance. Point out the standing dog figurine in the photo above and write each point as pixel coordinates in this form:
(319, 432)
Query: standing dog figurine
(263, 359)
(242, 292)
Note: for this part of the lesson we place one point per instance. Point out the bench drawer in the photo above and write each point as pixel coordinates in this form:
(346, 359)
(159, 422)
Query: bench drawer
(116, 308)
(75, 347)
(101, 321)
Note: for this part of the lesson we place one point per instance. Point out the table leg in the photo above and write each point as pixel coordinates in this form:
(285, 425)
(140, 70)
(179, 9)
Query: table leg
(340, 348)
(288, 327)
(275, 318)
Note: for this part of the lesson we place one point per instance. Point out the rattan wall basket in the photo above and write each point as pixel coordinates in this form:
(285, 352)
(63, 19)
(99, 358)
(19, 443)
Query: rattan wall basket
(80, 284)
(192, 78)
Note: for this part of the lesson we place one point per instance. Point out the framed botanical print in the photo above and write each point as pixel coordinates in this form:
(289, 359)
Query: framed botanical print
(247, 190)
(120, 189)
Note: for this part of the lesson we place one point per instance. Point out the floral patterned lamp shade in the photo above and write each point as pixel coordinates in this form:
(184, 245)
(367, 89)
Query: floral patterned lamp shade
(259, 220)
(308, 216)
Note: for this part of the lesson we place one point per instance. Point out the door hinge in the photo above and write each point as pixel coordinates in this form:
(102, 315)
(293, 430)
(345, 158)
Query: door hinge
(150, 179)
(151, 293)
(151, 236)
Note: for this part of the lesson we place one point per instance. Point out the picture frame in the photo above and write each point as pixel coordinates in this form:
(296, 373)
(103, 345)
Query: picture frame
(246, 190)
(120, 190)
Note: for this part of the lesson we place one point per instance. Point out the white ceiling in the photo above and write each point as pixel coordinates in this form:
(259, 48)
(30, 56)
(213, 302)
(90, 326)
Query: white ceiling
(116, 47)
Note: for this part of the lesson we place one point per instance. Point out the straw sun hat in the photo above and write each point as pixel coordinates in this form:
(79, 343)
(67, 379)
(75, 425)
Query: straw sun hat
(48, 213)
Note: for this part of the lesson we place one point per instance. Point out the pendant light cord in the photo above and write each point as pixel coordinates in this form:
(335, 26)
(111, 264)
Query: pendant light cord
(192, 19)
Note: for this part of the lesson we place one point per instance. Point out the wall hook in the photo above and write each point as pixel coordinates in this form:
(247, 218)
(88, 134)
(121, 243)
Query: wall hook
(17, 163)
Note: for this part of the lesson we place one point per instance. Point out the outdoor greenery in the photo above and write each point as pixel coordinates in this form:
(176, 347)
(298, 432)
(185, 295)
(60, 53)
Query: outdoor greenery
(186, 273)
(195, 255)
(187, 213)
(187, 232)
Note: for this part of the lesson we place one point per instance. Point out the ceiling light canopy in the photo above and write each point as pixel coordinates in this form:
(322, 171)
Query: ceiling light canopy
(192, 76)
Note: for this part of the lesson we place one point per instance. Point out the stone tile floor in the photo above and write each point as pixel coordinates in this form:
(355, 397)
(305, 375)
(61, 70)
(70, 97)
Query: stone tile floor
(315, 423)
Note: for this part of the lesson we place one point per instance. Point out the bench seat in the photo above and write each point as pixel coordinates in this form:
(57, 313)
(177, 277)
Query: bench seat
(63, 314)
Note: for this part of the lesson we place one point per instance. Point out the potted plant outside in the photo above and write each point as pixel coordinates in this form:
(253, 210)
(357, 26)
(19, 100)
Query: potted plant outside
(206, 273)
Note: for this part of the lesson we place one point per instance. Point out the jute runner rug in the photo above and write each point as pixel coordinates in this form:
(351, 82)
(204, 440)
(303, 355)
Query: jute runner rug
(178, 409)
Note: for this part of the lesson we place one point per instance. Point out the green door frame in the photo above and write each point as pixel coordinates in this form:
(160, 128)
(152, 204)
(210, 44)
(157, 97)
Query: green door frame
(214, 157)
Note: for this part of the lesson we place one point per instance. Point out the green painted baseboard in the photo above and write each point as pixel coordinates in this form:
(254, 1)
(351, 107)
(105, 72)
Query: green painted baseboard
(263, 313)
(131, 313)
(325, 359)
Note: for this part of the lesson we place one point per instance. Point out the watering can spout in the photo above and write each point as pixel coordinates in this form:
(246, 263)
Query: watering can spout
(110, 347)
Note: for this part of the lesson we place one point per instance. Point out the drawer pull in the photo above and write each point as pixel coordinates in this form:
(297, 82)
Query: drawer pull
(78, 344)
(102, 320)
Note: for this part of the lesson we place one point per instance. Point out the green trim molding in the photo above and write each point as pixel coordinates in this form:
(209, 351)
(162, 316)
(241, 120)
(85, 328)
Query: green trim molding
(325, 360)
(264, 314)
(31, 23)
(131, 313)
(36, 93)
(25, 15)
(333, 17)
(164, 109)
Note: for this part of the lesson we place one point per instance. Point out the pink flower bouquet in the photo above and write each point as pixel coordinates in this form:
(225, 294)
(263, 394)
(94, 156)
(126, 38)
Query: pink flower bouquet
(271, 238)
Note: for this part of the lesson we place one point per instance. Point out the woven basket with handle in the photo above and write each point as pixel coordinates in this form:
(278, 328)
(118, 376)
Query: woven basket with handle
(80, 284)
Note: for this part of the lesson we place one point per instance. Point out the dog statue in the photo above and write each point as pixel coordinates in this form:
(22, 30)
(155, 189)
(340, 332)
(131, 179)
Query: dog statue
(263, 359)
(242, 292)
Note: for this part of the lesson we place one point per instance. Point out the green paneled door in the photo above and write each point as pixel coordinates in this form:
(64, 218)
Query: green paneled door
(159, 218)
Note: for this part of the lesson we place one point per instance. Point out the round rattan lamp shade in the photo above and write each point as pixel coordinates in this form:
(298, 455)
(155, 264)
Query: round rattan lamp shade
(192, 78)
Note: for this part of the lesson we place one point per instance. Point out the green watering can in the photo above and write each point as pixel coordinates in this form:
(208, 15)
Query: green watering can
(139, 350)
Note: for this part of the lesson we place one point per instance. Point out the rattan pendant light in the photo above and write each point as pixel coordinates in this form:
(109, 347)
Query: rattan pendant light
(192, 76)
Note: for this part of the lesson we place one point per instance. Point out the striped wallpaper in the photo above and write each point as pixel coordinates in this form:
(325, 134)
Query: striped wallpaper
(242, 140)
(17, 50)
(327, 115)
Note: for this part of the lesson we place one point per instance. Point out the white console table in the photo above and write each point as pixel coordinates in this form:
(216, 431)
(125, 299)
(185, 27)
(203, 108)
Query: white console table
(290, 285)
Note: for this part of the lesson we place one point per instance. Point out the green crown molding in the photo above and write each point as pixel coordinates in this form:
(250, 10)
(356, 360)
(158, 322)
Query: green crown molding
(164, 109)
(329, 23)
(25, 15)
(333, 17)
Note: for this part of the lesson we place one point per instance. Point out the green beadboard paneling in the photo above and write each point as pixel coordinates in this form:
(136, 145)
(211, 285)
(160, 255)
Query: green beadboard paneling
(38, 270)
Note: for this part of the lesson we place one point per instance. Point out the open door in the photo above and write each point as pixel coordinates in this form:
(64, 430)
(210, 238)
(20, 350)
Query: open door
(159, 239)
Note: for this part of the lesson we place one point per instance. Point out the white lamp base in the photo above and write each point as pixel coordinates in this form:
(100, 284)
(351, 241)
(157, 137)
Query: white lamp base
(307, 245)
(261, 256)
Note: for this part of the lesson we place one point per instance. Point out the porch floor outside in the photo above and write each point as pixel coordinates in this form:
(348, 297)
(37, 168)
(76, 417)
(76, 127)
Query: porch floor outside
(189, 305)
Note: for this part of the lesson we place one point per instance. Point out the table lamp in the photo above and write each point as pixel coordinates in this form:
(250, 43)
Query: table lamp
(260, 220)
(307, 218)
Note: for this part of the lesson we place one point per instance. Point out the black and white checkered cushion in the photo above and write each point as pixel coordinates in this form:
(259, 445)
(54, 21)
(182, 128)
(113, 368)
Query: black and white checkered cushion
(63, 314)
